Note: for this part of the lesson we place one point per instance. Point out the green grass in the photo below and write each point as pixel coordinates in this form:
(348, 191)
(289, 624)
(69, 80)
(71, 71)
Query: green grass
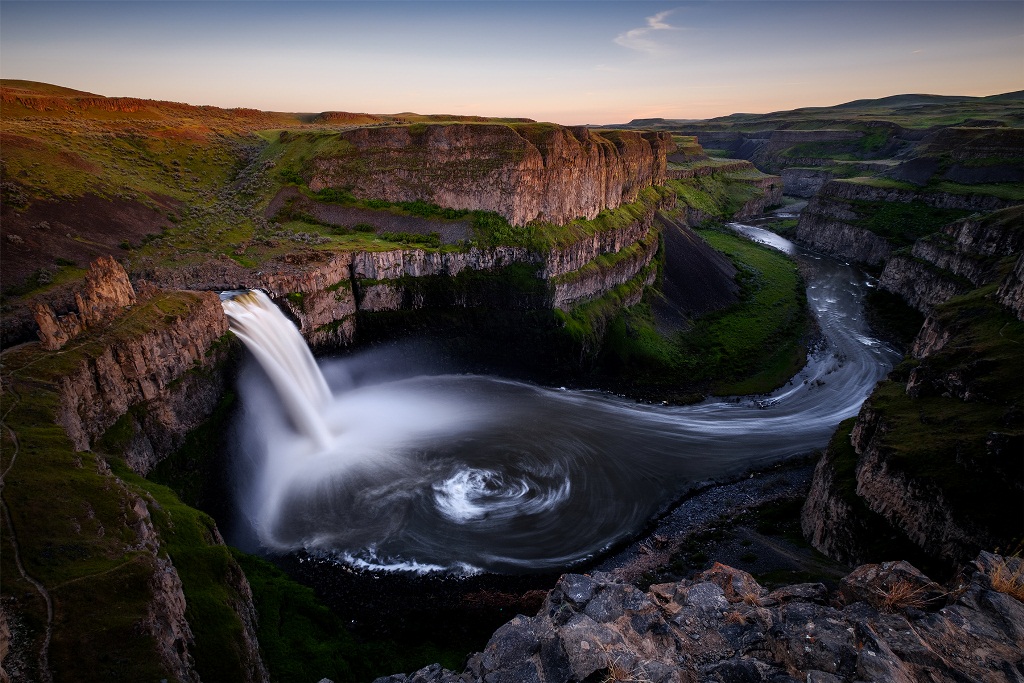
(901, 224)
(751, 347)
(1010, 191)
(719, 195)
(868, 146)
(302, 640)
(74, 522)
(762, 334)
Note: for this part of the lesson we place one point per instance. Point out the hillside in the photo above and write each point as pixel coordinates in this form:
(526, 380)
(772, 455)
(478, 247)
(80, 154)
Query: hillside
(121, 217)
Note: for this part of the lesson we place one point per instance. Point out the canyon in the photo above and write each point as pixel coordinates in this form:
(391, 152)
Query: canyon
(546, 231)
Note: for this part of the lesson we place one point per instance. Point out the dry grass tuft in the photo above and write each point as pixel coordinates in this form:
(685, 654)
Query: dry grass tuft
(901, 595)
(1009, 581)
(736, 618)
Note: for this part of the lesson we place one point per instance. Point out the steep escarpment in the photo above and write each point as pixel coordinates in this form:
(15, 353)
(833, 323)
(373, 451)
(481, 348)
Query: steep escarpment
(963, 255)
(164, 373)
(117, 578)
(865, 220)
(523, 172)
(885, 622)
(934, 455)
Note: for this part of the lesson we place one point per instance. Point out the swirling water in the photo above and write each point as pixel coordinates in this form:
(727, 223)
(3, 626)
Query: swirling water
(461, 473)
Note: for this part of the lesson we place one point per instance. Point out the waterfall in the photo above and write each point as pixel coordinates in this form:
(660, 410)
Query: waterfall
(275, 342)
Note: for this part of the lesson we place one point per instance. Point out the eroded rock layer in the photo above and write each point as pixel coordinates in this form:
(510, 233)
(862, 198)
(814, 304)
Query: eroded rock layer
(523, 172)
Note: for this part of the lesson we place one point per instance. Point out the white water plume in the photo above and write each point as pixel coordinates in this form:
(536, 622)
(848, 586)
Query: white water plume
(282, 352)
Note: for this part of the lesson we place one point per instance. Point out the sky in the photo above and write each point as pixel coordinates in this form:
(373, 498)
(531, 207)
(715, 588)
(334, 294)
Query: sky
(569, 62)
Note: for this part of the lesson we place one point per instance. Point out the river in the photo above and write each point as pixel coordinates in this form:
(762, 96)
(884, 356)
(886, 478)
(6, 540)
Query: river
(470, 473)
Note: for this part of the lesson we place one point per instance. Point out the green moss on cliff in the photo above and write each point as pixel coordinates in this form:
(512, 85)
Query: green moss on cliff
(903, 223)
(751, 347)
(960, 435)
(74, 524)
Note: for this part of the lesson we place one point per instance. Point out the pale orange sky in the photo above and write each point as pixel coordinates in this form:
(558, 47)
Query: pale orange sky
(569, 62)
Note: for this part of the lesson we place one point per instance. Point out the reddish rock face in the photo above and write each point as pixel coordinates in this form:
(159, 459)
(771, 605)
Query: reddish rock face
(524, 172)
(107, 292)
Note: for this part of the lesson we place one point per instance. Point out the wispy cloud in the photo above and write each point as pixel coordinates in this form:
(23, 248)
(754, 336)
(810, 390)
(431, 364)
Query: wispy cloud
(641, 40)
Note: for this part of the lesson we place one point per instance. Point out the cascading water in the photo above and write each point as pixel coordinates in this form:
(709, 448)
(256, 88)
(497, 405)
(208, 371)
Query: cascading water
(284, 356)
(466, 472)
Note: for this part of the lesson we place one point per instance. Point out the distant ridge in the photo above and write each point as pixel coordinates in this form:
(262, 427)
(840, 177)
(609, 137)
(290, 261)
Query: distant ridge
(905, 100)
(34, 95)
(21, 87)
(905, 109)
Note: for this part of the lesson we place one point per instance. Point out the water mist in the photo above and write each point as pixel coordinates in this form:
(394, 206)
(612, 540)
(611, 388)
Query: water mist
(466, 472)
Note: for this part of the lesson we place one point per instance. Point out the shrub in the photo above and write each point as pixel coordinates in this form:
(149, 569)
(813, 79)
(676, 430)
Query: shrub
(289, 176)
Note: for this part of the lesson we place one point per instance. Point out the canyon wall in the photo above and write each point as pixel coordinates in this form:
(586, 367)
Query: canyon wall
(168, 371)
(963, 255)
(931, 465)
(805, 182)
(837, 221)
(524, 172)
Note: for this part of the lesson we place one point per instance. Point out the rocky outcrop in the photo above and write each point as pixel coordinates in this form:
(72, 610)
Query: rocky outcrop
(1011, 291)
(106, 294)
(524, 172)
(963, 255)
(562, 260)
(156, 368)
(597, 278)
(886, 622)
(918, 507)
(805, 182)
(833, 221)
(833, 519)
(769, 193)
(919, 282)
(827, 227)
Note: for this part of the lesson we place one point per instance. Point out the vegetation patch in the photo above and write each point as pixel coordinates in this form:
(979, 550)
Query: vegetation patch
(751, 347)
(303, 640)
(968, 449)
(903, 223)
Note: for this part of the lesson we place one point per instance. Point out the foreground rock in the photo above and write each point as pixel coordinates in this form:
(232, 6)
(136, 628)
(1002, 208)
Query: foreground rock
(886, 622)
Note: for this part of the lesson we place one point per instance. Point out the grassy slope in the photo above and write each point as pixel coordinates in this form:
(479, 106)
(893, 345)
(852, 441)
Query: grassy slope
(73, 522)
(751, 347)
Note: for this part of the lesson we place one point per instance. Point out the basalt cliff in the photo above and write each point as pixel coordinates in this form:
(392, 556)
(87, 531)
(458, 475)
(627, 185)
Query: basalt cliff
(866, 220)
(523, 172)
(931, 466)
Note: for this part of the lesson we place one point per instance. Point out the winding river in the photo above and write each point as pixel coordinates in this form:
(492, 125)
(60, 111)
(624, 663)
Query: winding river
(469, 473)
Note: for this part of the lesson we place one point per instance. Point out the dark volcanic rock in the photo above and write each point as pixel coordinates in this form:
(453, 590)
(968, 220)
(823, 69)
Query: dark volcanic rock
(722, 626)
